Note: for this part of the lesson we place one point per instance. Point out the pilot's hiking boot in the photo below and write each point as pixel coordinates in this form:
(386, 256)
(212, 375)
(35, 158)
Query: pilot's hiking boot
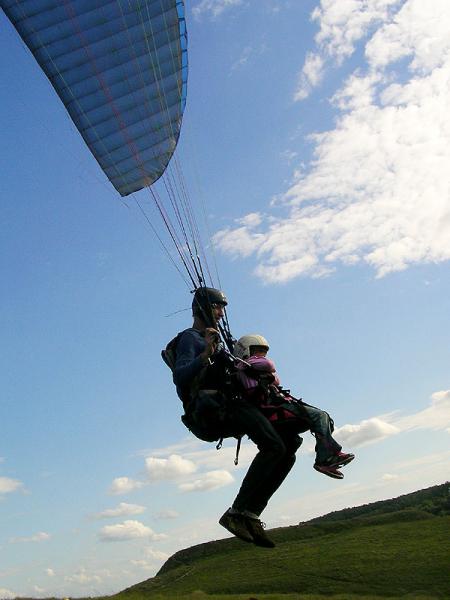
(256, 528)
(236, 524)
(330, 470)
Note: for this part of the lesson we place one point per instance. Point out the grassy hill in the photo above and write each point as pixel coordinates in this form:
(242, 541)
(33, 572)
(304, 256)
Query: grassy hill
(392, 548)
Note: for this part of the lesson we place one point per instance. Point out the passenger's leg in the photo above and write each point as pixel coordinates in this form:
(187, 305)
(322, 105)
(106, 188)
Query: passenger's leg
(326, 445)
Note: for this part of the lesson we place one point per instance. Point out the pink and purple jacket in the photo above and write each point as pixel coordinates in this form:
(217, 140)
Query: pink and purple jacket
(258, 363)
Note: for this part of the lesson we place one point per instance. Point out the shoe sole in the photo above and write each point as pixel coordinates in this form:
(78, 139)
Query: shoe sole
(263, 544)
(335, 475)
(237, 534)
(344, 462)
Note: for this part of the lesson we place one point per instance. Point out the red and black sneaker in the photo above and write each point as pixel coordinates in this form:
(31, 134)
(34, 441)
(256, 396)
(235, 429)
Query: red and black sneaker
(340, 459)
(330, 470)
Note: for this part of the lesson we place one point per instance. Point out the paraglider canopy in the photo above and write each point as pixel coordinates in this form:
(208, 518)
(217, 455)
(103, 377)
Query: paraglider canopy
(120, 68)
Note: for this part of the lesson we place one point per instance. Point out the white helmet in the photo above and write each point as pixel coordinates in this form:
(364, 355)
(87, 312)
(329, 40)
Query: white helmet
(242, 346)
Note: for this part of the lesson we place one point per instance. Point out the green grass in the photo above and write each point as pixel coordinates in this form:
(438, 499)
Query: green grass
(199, 595)
(389, 550)
(330, 559)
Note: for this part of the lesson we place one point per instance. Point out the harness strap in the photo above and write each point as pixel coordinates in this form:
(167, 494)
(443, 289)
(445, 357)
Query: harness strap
(238, 447)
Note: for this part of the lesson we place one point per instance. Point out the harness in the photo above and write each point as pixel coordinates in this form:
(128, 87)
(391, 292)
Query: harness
(275, 402)
(169, 354)
(213, 393)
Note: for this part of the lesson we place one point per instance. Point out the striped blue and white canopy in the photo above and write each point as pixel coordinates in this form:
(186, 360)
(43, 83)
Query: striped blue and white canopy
(120, 68)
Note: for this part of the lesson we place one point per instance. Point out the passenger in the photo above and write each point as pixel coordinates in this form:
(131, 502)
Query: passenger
(261, 387)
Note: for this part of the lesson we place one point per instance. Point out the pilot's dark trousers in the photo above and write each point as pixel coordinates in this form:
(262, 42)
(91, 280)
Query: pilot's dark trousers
(275, 458)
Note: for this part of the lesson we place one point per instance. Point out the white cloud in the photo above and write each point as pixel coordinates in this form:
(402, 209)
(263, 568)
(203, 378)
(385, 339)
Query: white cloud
(128, 530)
(155, 554)
(124, 485)
(343, 23)
(146, 565)
(377, 191)
(212, 459)
(366, 432)
(247, 54)
(389, 477)
(213, 8)
(152, 557)
(243, 59)
(311, 75)
(375, 429)
(50, 572)
(41, 536)
(38, 590)
(210, 481)
(183, 447)
(174, 467)
(420, 30)
(251, 220)
(82, 576)
(122, 510)
(8, 485)
(7, 594)
(435, 417)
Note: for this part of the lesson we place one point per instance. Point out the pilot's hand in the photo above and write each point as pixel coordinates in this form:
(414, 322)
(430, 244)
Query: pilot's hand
(212, 338)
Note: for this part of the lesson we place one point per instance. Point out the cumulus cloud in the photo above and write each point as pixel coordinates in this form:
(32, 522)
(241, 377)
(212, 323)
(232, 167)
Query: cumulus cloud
(210, 459)
(124, 485)
(210, 481)
(122, 510)
(7, 594)
(50, 572)
(366, 432)
(310, 76)
(8, 485)
(155, 554)
(174, 467)
(419, 30)
(41, 536)
(151, 557)
(128, 530)
(377, 190)
(434, 417)
(213, 8)
(343, 24)
(83, 577)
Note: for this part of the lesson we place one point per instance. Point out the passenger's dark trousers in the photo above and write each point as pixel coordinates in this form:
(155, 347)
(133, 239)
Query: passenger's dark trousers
(271, 465)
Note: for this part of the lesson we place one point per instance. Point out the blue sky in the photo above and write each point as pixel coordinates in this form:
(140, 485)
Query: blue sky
(316, 135)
